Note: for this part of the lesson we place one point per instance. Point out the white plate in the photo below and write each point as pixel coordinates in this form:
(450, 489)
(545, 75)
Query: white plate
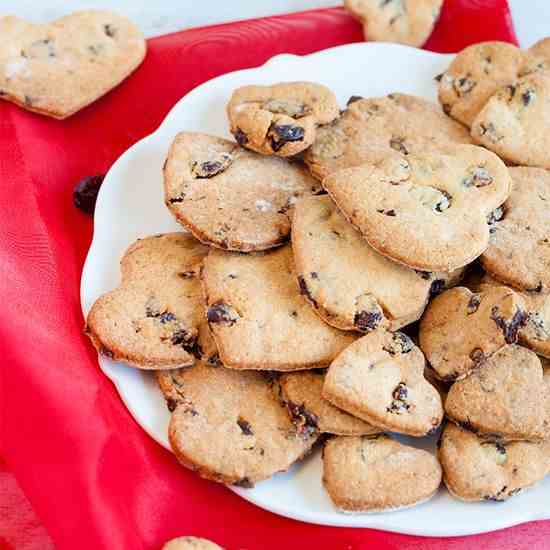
(130, 205)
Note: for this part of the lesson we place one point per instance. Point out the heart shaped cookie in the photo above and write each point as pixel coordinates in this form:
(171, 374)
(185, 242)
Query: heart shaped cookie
(427, 210)
(310, 411)
(229, 197)
(380, 378)
(477, 469)
(155, 318)
(350, 285)
(546, 388)
(371, 128)
(535, 334)
(460, 329)
(519, 248)
(230, 426)
(475, 74)
(280, 119)
(258, 317)
(515, 121)
(372, 474)
(505, 397)
(59, 68)
(403, 21)
(190, 543)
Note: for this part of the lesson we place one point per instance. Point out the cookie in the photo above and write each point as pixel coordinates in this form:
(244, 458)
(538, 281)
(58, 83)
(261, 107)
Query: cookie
(535, 334)
(475, 74)
(519, 249)
(370, 129)
(155, 318)
(350, 285)
(59, 68)
(476, 469)
(427, 210)
(309, 410)
(258, 317)
(514, 122)
(380, 378)
(505, 397)
(540, 51)
(170, 383)
(403, 21)
(461, 329)
(231, 427)
(546, 388)
(375, 474)
(229, 197)
(280, 119)
(190, 543)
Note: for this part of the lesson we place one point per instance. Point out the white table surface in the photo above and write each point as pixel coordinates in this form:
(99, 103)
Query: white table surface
(156, 17)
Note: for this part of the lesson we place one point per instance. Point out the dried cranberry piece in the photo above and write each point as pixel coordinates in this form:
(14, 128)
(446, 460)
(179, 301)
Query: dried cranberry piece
(85, 193)
(285, 133)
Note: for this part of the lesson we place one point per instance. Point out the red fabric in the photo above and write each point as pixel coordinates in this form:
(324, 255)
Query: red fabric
(94, 477)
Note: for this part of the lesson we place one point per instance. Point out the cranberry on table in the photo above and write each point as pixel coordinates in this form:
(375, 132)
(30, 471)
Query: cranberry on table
(85, 193)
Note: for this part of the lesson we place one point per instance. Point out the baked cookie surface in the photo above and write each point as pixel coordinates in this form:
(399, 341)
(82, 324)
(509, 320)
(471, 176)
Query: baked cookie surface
(476, 469)
(351, 286)
(475, 74)
(155, 318)
(190, 543)
(302, 394)
(380, 378)
(229, 197)
(504, 397)
(519, 247)
(535, 334)
(427, 210)
(514, 122)
(232, 428)
(374, 474)
(403, 21)
(58, 68)
(371, 128)
(280, 119)
(461, 329)
(258, 317)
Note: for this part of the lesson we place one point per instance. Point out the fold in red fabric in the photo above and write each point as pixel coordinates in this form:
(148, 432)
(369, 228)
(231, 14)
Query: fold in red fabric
(96, 480)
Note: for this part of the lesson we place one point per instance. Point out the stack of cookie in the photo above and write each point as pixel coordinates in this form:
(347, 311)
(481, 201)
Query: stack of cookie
(264, 348)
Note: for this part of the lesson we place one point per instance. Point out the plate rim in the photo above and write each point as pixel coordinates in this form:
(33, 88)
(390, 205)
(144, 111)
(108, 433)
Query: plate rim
(521, 516)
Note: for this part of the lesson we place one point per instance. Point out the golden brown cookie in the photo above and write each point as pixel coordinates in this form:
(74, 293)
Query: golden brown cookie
(546, 388)
(505, 397)
(475, 74)
(280, 119)
(426, 210)
(190, 543)
(519, 247)
(380, 378)
(476, 469)
(232, 428)
(370, 129)
(309, 410)
(258, 318)
(461, 329)
(535, 334)
(229, 197)
(155, 318)
(58, 68)
(403, 21)
(350, 285)
(375, 474)
(515, 121)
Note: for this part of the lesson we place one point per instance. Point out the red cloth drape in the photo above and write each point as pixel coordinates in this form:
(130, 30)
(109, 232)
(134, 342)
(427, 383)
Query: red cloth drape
(96, 480)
